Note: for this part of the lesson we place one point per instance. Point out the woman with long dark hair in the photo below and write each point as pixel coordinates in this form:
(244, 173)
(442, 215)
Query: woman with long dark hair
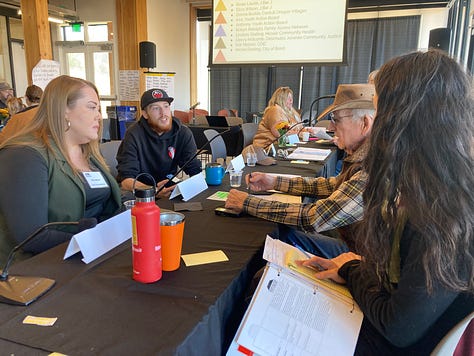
(415, 280)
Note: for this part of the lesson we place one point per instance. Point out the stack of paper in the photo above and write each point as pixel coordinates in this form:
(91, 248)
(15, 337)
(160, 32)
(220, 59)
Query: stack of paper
(309, 154)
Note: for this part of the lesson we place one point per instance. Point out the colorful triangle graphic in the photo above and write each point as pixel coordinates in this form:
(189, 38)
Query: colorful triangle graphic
(220, 44)
(220, 6)
(220, 20)
(220, 32)
(220, 58)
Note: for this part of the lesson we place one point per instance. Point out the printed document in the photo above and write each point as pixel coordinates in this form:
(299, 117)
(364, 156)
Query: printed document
(290, 314)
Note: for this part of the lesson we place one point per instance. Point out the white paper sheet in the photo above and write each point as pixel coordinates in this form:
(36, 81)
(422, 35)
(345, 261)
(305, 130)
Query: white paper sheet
(320, 132)
(237, 164)
(309, 154)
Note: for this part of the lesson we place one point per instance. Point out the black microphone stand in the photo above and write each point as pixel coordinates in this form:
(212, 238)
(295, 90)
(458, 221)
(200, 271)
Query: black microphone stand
(331, 96)
(22, 290)
(193, 120)
(231, 129)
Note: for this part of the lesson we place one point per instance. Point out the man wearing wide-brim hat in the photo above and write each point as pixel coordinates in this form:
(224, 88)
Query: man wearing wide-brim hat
(156, 144)
(339, 203)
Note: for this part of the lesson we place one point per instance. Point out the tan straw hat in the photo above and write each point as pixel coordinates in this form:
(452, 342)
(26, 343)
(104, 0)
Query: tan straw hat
(351, 96)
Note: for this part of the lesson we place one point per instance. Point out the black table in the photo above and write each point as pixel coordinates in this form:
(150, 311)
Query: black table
(101, 310)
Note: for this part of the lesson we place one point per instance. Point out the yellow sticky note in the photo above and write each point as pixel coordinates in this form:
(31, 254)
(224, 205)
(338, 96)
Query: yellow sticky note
(36, 320)
(202, 258)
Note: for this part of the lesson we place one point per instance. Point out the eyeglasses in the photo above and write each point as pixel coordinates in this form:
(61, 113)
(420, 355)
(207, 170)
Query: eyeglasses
(336, 120)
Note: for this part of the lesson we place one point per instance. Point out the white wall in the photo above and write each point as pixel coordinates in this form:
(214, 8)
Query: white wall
(168, 28)
(96, 11)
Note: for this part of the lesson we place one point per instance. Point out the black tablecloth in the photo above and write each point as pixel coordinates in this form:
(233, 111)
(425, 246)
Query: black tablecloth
(102, 310)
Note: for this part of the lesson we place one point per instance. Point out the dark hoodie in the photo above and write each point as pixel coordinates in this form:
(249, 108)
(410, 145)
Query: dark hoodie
(144, 151)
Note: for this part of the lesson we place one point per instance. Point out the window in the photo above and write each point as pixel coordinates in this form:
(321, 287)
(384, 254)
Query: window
(86, 51)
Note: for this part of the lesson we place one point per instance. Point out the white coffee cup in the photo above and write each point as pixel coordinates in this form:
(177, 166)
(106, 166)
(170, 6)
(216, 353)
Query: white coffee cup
(305, 136)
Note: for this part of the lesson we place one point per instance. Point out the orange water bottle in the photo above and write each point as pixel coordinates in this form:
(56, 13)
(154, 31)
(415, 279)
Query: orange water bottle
(146, 237)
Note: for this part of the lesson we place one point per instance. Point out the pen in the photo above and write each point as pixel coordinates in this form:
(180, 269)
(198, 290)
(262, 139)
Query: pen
(248, 185)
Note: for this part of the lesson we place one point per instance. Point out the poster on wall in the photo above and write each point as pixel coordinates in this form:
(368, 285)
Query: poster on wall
(160, 80)
(129, 85)
(44, 72)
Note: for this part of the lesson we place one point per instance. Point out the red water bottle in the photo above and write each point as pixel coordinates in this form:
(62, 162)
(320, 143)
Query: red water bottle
(146, 238)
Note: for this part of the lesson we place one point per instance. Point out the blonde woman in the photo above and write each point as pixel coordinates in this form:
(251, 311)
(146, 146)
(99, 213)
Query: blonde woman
(62, 175)
(279, 110)
(15, 105)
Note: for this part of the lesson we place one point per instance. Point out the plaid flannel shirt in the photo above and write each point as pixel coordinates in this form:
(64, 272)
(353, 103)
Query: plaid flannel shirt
(335, 207)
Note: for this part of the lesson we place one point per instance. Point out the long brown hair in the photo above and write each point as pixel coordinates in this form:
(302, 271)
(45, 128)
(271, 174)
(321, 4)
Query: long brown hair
(49, 122)
(420, 161)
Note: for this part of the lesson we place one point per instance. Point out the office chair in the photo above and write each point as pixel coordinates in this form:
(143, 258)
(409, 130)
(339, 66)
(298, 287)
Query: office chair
(228, 112)
(183, 116)
(218, 148)
(249, 129)
(450, 341)
(109, 151)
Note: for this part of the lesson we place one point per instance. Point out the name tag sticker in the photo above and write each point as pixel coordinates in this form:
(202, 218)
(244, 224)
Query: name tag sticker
(95, 180)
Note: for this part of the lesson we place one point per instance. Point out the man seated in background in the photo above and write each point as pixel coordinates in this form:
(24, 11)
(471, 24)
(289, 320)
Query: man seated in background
(156, 144)
(339, 205)
(6, 92)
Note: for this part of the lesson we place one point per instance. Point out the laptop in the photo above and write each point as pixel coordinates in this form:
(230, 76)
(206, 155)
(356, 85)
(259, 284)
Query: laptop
(217, 121)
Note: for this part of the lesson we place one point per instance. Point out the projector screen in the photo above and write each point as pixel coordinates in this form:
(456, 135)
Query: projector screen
(278, 32)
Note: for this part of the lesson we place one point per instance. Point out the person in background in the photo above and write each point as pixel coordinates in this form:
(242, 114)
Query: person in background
(52, 169)
(6, 92)
(23, 118)
(156, 144)
(416, 279)
(279, 109)
(15, 105)
(33, 95)
(371, 76)
(339, 205)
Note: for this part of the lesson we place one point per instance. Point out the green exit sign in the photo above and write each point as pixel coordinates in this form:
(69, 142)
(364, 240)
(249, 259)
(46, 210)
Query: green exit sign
(76, 27)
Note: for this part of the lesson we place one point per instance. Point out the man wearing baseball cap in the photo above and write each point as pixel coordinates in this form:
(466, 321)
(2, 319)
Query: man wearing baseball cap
(339, 204)
(6, 92)
(156, 144)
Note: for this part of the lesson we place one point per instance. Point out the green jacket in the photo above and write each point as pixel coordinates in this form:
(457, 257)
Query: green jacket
(66, 198)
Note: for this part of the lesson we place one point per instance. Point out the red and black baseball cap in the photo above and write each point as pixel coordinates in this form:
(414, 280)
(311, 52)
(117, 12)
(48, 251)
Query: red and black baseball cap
(154, 95)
